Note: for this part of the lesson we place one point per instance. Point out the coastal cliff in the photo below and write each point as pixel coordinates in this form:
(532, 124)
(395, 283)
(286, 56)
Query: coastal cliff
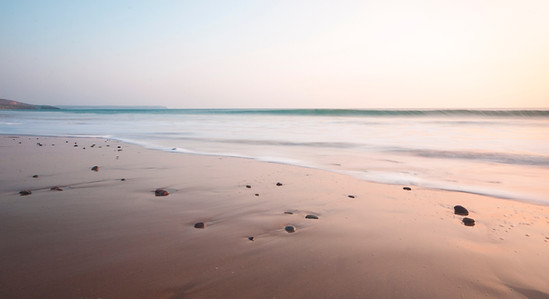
(15, 105)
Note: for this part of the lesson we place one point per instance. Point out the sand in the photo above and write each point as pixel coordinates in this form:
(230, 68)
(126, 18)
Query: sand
(105, 237)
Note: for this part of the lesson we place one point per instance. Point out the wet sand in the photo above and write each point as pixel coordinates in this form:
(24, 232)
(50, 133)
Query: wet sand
(106, 234)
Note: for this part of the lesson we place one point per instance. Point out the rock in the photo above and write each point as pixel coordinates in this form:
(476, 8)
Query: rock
(290, 229)
(407, 188)
(248, 186)
(279, 184)
(56, 188)
(199, 225)
(35, 176)
(123, 180)
(459, 210)
(257, 194)
(76, 145)
(468, 221)
(161, 192)
(39, 144)
(25, 192)
(351, 196)
(288, 213)
(311, 217)
(95, 168)
(251, 238)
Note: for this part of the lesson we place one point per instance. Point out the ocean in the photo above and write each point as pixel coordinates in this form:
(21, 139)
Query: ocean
(500, 153)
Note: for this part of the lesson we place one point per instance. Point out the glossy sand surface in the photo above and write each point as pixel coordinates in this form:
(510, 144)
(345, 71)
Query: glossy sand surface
(104, 237)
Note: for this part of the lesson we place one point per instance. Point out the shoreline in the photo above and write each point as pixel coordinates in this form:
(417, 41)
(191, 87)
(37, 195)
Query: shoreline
(469, 189)
(107, 237)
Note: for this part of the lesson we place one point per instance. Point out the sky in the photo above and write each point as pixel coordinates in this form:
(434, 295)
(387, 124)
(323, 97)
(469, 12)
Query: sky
(277, 54)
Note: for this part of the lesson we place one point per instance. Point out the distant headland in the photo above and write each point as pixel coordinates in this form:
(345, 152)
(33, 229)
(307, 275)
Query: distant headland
(15, 105)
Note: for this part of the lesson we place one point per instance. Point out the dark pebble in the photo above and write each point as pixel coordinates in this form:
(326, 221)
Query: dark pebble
(76, 145)
(199, 225)
(311, 217)
(279, 184)
(25, 192)
(35, 176)
(251, 238)
(351, 196)
(248, 186)
(95, 168)
(56, 188)
(289, 213)
(161, 192)
(123, 180)
(459, 210)
(468, 221)
(39, 144)
(290, 229)
(407, 188)
(257, 194)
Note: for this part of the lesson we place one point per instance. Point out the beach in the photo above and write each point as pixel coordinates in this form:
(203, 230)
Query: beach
(107, 235)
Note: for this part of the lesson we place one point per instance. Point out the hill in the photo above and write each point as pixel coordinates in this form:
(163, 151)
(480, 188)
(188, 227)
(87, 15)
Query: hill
(15, 105)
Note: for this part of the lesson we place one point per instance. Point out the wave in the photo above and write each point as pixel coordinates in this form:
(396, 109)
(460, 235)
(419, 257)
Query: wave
(503, 158)
(329, 112)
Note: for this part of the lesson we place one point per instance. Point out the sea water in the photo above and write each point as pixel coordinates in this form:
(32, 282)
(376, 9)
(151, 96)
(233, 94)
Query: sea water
(501, 153)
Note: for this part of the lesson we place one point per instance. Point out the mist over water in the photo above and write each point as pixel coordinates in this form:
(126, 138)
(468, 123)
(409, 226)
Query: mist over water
(500, 153)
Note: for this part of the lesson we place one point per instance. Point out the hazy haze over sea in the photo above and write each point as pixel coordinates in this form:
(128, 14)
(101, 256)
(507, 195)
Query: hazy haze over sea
(500, 153)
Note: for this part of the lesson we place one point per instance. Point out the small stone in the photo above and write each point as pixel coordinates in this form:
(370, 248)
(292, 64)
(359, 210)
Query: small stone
(257, 194)
(468, 221)
(288, 213)
(56, 188)
(25, 192)
(290, 229)
(123, 180)
(93, 145)
(311, 217)
(459, 210)
(279, 184)
(76, 145)
(199, 225)
(39, 144)
(35, 176)
(161, 192)
(248, 186)
(351, 196)
(95, 168)
(251, 238)
(407, 188)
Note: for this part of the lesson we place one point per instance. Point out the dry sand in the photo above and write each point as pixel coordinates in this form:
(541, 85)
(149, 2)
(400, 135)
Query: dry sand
(102, 237)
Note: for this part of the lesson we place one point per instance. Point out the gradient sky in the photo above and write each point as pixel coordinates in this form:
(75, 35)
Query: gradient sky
(277, 54)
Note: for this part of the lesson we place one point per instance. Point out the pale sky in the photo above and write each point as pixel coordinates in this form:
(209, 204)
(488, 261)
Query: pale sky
(277, 54)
